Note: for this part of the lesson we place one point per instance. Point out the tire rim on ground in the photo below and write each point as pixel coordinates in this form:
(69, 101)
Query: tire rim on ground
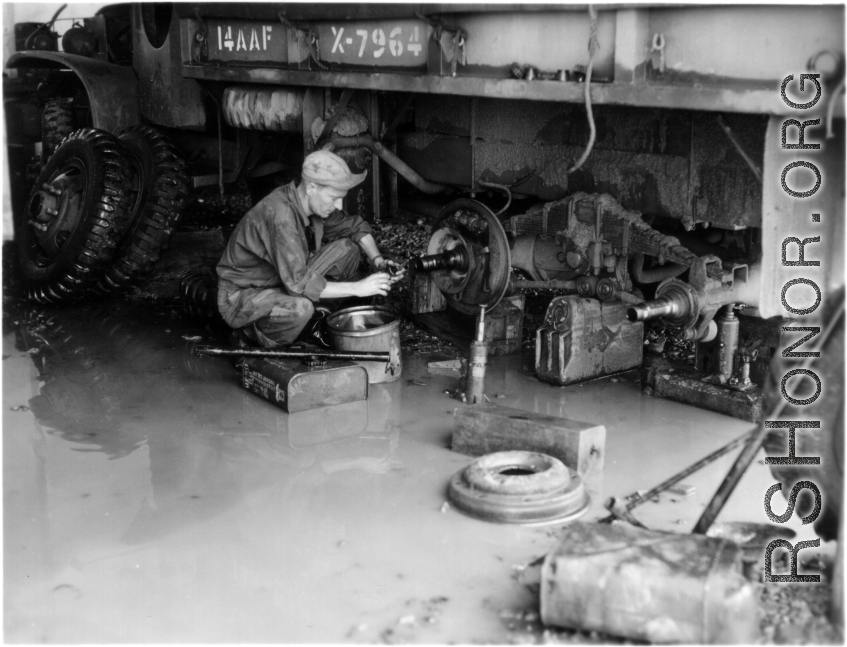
(518, 487)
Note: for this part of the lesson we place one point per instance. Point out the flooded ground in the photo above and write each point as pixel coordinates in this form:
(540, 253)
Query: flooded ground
(148, 498)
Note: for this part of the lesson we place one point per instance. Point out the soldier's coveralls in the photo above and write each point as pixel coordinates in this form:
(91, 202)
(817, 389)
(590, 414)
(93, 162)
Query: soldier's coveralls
(274, 267)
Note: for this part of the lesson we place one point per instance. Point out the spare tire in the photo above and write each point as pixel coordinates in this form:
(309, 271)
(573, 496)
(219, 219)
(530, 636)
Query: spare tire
(57, 122)
(198, 292)
(161, 187)
(75, 217)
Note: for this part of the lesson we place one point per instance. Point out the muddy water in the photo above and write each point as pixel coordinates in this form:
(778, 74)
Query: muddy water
(148, 498)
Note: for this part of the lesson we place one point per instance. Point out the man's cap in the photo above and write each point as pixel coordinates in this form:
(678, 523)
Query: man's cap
(323, 167)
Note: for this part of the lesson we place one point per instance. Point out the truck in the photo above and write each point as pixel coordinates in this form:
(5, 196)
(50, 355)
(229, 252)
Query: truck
(679, 164)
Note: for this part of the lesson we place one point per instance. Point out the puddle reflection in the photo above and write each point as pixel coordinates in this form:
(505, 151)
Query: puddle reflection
(114, 383)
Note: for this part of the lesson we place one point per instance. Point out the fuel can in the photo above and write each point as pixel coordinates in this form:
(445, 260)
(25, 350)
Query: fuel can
(647, 585)
(295, 386)
(584, 338)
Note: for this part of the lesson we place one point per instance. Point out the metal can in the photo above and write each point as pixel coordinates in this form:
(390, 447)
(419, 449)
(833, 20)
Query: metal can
(368, 328)
(648, 585)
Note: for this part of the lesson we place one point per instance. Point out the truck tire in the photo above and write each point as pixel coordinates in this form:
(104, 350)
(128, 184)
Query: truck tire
(161, 187)
(57, 122)
(198, 293)
(75, 216)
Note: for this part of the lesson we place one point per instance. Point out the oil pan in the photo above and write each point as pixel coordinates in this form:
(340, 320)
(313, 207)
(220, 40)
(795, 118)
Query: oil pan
(368, 328)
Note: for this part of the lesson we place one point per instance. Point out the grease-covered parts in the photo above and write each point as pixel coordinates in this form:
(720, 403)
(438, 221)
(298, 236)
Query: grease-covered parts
(475, 271)
(575, 220)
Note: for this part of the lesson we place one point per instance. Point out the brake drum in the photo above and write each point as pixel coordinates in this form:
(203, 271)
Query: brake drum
(519, 487)
(470, 227)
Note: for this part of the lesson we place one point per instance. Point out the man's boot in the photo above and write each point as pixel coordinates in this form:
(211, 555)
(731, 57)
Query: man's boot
(315, 332)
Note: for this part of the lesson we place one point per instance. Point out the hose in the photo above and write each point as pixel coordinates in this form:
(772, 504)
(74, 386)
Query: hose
(593, 45)
(47, 25)
(500, 187)
(654, 275)
(389, 158)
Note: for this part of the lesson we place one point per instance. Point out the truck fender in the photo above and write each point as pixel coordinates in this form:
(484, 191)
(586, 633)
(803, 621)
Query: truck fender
(112, 89)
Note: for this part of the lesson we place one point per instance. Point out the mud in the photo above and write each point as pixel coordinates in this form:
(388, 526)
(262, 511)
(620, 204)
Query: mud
(148, 498)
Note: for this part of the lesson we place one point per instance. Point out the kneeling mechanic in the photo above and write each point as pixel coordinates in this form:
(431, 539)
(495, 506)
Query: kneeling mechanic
(275, 275)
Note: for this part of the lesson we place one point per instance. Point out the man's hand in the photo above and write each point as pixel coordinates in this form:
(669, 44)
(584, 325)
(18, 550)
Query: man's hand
(395, 270)
(379, 283)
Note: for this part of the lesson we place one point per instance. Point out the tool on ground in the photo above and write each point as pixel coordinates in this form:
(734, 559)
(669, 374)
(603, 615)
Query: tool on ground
(478, 355)
(620, 511)
(392, 358)
(292, 354)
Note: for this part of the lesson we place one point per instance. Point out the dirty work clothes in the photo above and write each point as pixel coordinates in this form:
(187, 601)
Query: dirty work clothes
(268, 261)
(281, 316)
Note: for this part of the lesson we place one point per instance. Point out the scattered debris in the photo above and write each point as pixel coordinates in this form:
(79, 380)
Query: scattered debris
(797, 614)
(682, 489)
(406, 620)
(446, 365)
(191, 337)
(416, 382)
(445, 507)
(5, 357)
(22, 407)
(499, 396)
(456, 394)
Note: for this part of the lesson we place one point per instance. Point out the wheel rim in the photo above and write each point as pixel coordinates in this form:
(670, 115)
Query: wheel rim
(518, 487)
(54, 212)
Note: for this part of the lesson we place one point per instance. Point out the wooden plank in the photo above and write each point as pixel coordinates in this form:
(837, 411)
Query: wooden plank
(486, 428)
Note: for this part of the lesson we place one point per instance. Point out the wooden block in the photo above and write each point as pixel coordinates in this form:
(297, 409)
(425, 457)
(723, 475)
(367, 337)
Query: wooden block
(485, 428)
(425, 295)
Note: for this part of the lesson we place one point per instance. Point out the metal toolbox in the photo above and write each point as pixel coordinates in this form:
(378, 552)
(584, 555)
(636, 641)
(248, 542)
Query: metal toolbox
(296, 386)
